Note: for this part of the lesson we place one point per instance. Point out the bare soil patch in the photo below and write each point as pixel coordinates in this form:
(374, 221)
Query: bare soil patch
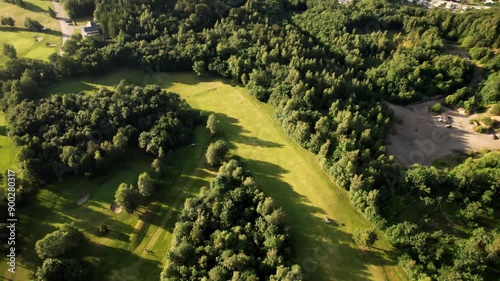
(51, 45)
(38, 38)
(83, 199)
(416, 137)
(115, 208)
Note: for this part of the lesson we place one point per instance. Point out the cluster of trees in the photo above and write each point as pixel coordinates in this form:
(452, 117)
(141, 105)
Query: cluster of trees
(450, 231)
(79, 8)
(84, 134)
(325, 70)
(230, 231)
(126, 194)
(57, 250)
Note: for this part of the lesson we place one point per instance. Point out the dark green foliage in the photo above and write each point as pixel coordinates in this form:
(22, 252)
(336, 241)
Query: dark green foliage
(32, 24)
(79, 8)
(59, 243)
(490, 93)
(126, 197)
(7, 21)
(216, 152)
(440, 200)
(9, 51)
(61, 270)
(94, 130)
(230, 231)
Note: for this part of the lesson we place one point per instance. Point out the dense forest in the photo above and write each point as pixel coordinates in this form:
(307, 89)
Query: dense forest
(230, 231)
(83, 134)
(326, 69)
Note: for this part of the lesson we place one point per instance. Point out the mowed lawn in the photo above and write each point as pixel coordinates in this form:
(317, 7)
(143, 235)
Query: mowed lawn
(291, 176)
(284, 171)
(24, 40)
(121, 254)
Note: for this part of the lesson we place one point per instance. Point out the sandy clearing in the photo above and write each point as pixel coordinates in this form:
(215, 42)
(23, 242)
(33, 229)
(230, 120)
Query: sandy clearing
(417, 138)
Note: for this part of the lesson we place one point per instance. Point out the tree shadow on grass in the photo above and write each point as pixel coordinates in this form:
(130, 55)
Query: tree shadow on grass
(231, 127)
(324, 251)
(3, 130)
(32, 7)
(111, 263)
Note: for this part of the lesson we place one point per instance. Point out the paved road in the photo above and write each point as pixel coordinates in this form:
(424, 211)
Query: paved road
(62, 17)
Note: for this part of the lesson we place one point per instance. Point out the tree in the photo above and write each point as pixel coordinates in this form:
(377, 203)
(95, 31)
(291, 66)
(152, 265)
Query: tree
(125, 197)
(216, 152)
(59, 243)
(212, 124)
(365, 238)
(32, 24)
(156, 165)
(199, 67)
(8, 21)
(51, 12)
(61, 270)
(145, 184)
(9, 51)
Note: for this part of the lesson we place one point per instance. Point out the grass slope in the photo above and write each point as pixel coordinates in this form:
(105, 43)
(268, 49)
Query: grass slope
(285, 171)
(290, 175)
(23, 39)
(120, 255)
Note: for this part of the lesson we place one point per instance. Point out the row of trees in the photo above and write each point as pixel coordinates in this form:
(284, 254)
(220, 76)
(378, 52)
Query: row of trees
(230, 231)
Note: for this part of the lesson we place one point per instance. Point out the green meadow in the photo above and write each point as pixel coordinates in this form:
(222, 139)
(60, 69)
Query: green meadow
(29, 44)
(282, 168)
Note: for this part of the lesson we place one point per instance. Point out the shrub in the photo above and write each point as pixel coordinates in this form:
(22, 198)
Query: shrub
(495, 109)
(480, 129)
(103, 229)
(436, 108)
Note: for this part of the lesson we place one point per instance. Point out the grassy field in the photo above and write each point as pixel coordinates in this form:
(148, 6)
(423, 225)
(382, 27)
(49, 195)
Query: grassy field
(285, 171)
(24, 40)
(120, 255)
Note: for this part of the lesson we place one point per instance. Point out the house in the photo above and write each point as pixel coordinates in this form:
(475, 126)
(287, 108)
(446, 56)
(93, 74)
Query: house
(90, 29)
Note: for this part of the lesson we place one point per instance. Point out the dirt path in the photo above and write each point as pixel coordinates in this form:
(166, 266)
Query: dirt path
(62, 17)
(417, 138)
